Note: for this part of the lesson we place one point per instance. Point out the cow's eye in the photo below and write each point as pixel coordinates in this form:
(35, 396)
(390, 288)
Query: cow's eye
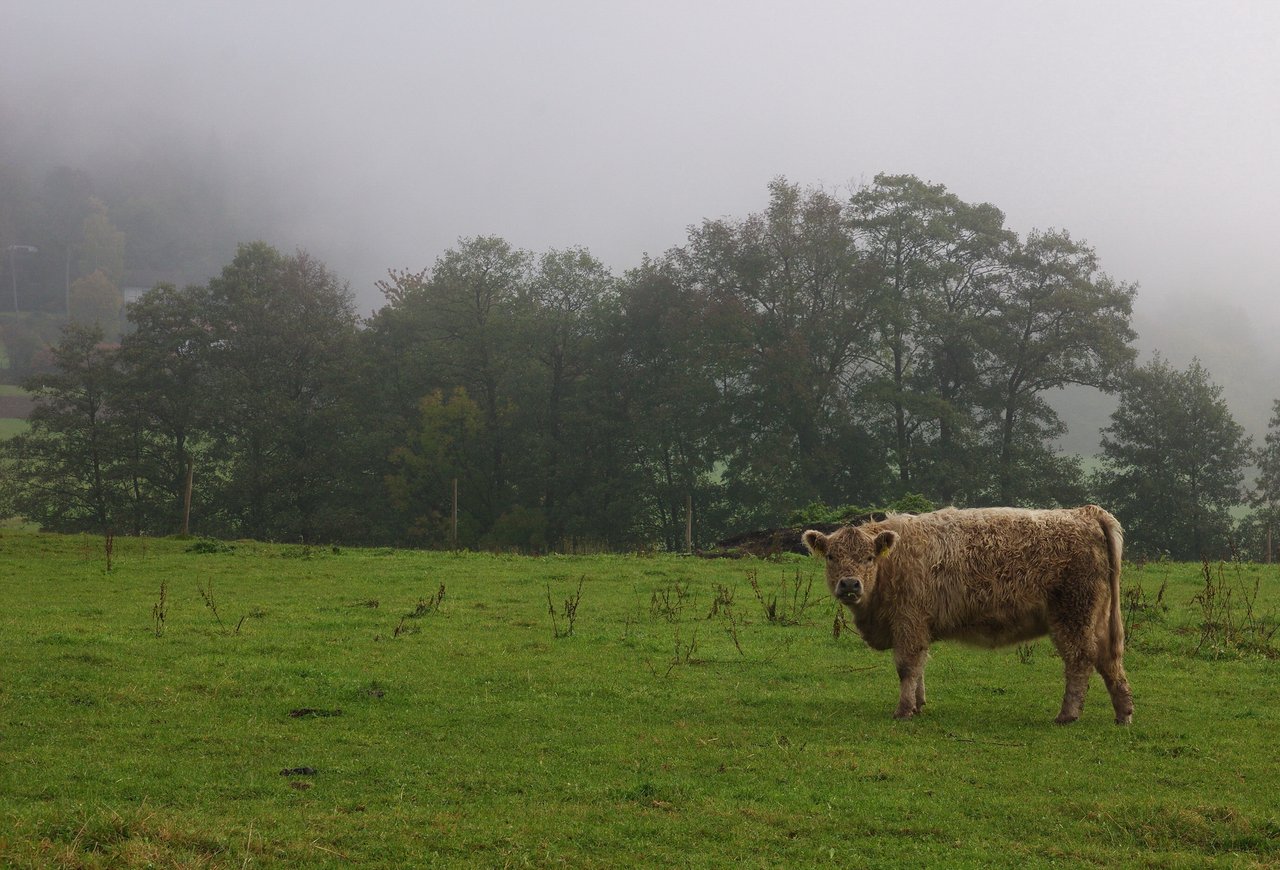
(869, 559)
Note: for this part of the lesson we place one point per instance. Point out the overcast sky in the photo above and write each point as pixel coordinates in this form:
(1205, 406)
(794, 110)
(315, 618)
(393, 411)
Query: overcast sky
(389, 129)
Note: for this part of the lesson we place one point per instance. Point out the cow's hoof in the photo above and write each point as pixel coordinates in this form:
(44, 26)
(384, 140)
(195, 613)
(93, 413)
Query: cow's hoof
(903, 714)
(1126, 719)
(1065, 719)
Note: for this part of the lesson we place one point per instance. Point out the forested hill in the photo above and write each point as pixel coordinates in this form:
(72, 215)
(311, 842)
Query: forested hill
(826, 349)
(166, 212)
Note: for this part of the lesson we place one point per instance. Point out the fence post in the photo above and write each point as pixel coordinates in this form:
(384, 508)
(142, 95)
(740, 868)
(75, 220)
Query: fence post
(186, 497)
(688, 524)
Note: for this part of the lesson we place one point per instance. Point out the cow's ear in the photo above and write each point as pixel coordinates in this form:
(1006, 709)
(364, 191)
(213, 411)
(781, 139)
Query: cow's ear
(815, 541)
(884, 542)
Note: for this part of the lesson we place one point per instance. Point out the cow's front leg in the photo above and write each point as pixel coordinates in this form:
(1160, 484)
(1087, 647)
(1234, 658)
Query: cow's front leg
(909, 660)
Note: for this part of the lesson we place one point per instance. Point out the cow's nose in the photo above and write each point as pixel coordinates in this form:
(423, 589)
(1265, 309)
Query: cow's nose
(848, 587)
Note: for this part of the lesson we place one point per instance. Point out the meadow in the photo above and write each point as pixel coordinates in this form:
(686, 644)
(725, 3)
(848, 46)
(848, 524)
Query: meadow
(206, 704)
(11, 425)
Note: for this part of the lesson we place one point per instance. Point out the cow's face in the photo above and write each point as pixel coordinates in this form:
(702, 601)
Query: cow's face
(853, 559)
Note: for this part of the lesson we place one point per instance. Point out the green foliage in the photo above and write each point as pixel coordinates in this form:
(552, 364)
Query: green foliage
(1263, 525)
(27, 339)
(826, 350)
(251, 377)
(521, 529)
(911, 503)
(95, 301)
(281, 337)
(445, 448)
(1065, 322)
(1173, 462)
(210, 545)
(65, 471)
(317, 736)
(817, 512)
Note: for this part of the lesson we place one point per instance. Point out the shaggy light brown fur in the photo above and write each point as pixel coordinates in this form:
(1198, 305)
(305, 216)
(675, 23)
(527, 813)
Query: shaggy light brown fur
(991, 577)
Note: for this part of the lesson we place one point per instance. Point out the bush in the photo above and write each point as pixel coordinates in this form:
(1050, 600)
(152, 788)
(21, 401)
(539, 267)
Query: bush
(521, 528)
(818, 512)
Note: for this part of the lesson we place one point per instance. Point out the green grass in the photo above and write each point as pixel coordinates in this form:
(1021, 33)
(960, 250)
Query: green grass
(10, 426)
(472, 735)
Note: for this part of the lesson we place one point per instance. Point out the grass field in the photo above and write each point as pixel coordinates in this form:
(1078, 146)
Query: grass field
(10, 426)
(256, 705)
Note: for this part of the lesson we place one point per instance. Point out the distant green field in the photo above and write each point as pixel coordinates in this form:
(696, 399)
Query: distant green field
(10, 427)
(247, 705)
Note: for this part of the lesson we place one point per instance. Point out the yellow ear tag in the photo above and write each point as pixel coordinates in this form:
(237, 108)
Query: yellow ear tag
(884, 551)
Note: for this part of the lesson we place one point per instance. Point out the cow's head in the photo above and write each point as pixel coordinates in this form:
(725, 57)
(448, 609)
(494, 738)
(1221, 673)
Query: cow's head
(853, 558)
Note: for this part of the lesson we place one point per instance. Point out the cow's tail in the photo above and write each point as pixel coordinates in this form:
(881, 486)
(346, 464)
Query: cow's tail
(1114, 535)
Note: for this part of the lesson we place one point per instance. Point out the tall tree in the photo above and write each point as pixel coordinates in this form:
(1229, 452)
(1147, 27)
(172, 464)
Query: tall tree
(462, 321)
(665, 388)
(166, 395)
(1265, 496)
(1173, 460)
(1060, 321)
(567, 295)
(793, 312)
(65, 469)
(280, 357)
(930, 258)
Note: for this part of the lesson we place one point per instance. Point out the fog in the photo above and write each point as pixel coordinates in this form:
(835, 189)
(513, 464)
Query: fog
(376, 134)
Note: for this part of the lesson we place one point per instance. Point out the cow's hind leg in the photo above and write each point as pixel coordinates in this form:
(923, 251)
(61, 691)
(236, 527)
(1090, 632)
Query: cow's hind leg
(909, 660)
(1112, 671)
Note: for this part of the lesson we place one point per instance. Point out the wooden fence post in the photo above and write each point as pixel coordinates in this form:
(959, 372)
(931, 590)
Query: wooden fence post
(186, 497)
(688, 524)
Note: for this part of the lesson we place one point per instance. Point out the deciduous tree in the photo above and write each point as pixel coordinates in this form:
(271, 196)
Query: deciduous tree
(65, 470)
(280, 359)
(930, 258)
(1060, 321)
(1174, 461)
(791, 317)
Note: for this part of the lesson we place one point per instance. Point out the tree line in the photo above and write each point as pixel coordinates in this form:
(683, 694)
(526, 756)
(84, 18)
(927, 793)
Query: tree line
(827, 350)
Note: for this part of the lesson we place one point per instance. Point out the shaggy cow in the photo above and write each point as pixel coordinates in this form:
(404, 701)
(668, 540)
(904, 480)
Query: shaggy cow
(991, 577)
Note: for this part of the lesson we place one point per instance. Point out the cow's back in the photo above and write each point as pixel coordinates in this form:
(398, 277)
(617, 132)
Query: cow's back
(989, 575)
